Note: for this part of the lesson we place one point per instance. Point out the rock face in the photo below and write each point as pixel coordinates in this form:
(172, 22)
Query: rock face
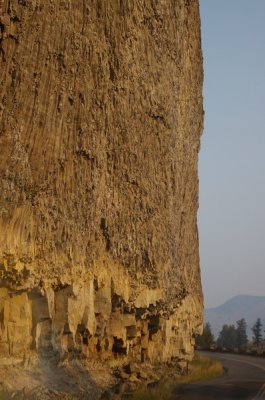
(100, 123)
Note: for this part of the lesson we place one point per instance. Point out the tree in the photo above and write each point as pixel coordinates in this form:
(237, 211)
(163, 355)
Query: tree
(257, 333)
(206, 339)
(241, 332)
(227, 338)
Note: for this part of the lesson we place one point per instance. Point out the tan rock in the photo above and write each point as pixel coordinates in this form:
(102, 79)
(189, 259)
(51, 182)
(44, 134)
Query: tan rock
(100, 123)
(133, 379)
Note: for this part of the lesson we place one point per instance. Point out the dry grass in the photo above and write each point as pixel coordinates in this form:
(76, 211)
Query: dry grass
(201, 368)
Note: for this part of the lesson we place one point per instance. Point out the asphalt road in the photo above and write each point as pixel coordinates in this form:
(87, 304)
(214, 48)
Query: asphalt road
(244, 380)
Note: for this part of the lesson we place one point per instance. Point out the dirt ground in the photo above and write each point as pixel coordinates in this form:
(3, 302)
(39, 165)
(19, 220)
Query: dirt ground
(43, 380)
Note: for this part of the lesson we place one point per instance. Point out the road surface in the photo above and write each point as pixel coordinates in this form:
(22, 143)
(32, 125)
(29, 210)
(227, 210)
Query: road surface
(244, 380)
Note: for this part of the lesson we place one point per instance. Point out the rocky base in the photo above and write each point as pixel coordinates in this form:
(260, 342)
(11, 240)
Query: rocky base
(43, 380)
(96, 317)
(82, 379)
(90, 337)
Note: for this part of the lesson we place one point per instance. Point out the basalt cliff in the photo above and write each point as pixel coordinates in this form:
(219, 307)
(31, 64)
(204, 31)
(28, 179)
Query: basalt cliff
(100, 124)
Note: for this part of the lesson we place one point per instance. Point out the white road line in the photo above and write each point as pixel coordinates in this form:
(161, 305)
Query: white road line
(243, 361)
(260, 394)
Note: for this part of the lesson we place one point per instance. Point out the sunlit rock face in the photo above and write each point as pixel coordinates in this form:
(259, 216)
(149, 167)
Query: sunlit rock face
(100, 123)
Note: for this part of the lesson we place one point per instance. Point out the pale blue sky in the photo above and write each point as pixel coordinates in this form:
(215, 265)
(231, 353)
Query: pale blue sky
(232, 157)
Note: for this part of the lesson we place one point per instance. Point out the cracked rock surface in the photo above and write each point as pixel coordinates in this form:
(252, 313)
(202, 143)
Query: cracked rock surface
(100, 123)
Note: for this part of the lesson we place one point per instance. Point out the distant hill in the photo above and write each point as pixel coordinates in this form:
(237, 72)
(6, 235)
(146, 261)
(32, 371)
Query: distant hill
(241, 306)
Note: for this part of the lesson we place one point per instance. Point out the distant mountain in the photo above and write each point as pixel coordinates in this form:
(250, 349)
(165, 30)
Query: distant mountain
(241, 306)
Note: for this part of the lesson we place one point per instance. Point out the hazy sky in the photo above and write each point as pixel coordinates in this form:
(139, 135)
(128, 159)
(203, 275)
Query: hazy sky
(232, 157)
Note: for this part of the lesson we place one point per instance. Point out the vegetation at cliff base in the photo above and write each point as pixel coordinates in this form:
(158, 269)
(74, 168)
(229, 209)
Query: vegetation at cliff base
(200, 369)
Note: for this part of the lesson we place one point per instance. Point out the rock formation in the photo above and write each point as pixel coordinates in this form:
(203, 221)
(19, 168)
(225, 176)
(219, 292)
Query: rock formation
(100, 123)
